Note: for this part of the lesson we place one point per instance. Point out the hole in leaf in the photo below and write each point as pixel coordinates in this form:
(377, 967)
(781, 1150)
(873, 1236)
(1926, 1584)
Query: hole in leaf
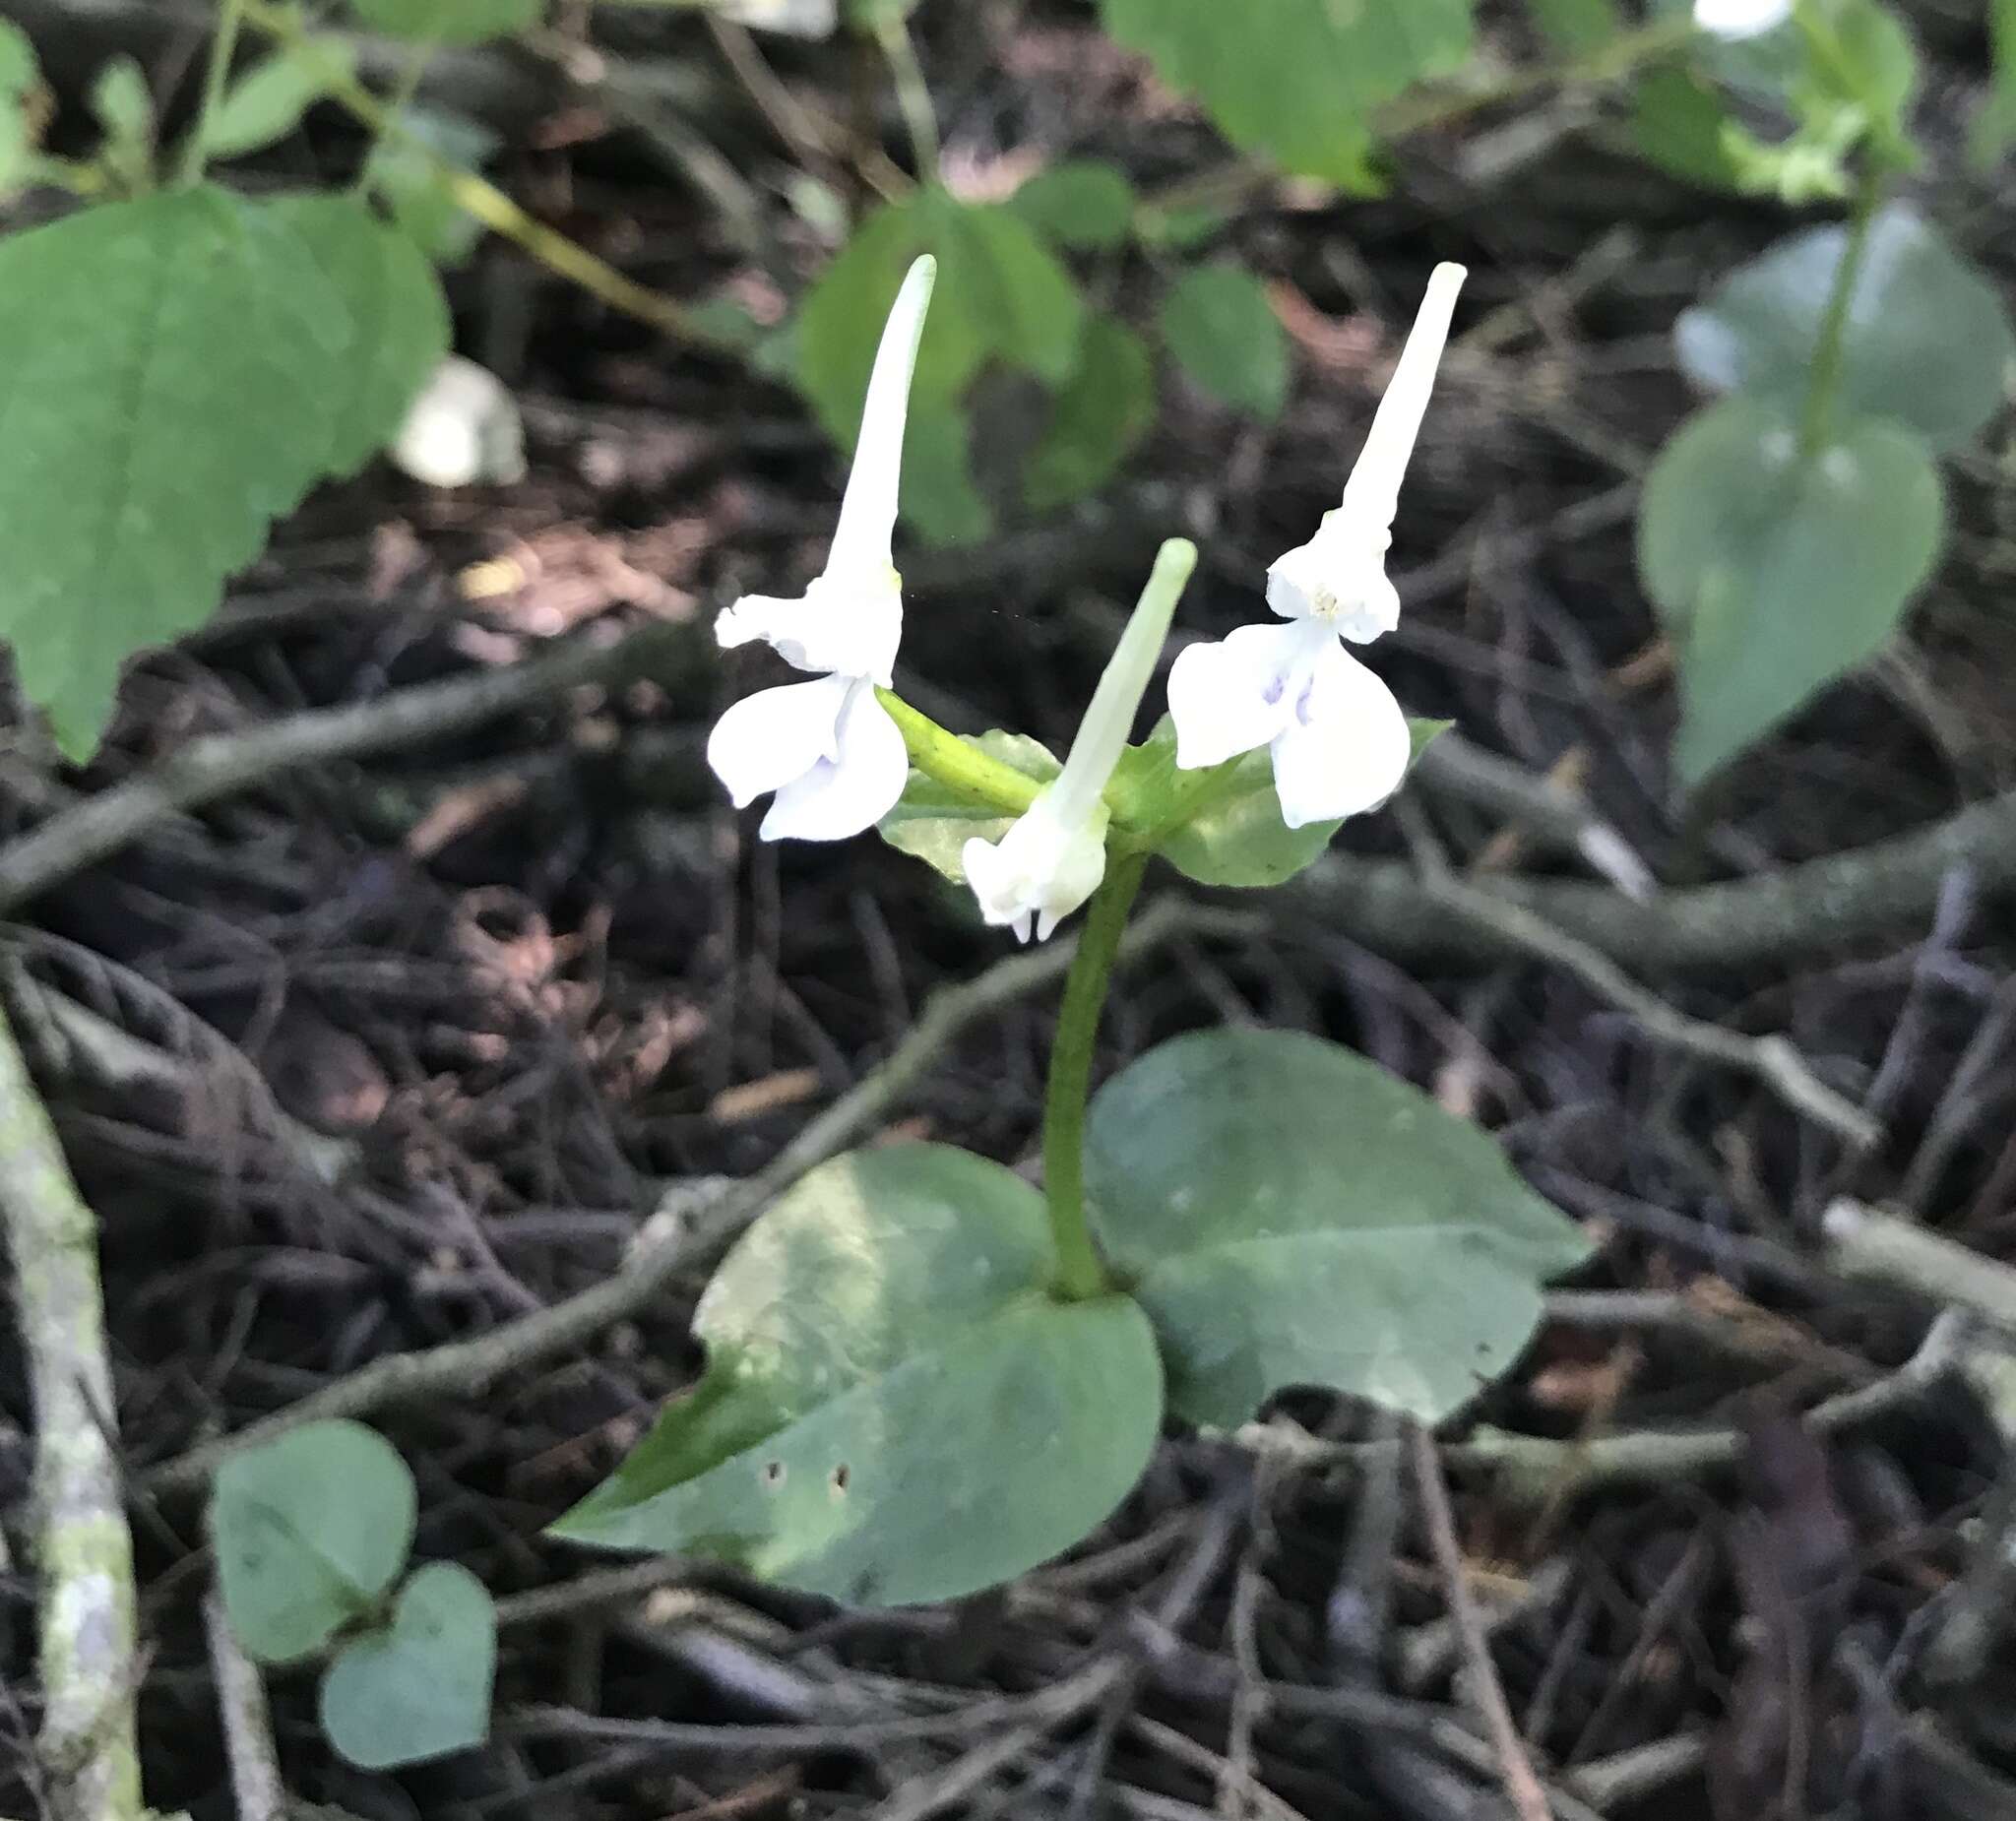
(773, 1473)
(840, 1475)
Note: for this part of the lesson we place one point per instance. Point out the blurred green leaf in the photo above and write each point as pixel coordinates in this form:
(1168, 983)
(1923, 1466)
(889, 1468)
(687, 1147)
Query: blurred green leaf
(419, 1688)
(20, 86)
(1858, 57)
(1218, 324)
(123, 107)
(1290, 1214)
(1298, 79)
(266, 103)
(1574, 27)
(894, 1410)
(1774, 574)
(447, 22)
(308, 1530)
(1083, 202)
(1929, 339)
(404, 176)
(933, 823)
(1098, 419)
(397, 315)
(940, 498)
(1680, 123)
(1994, 125)
(1180, 229)
(173, 362)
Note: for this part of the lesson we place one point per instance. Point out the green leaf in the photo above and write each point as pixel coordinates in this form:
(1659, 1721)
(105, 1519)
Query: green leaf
(308, 1532)
(1083, 202)
(420, 1687)
(1290, 1214)
(170, 362)
(1000, 295)
(1680, 123)
(1298, 79)
(20, 113)
(123, 107)
(939, 497)
(1237, 838)
(1994, 125)
(1098, 419)
(1773, 574)
(1858, 57)
(933, 823)
(1575, 27)
(1929, 340)
(404, 176)
(1224, 333)
(267, 102)
(894, 1410)
(447, 22)
(1181, 228)
(398, 319)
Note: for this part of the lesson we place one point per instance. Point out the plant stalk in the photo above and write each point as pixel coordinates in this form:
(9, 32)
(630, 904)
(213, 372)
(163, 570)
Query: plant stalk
(224, 46)
(1079, 1274)
(1823, 384)
(912, 92)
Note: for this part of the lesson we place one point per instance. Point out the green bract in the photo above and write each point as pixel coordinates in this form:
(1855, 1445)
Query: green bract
(894, 1410)
(1290, 1214)
(1773, 572)
(1928, 339)
(419, 1688)
(1296, 79)
(308, 1532)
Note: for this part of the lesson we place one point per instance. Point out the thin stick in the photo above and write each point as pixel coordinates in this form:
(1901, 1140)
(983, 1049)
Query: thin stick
(1515, 1769)
(256, 1786)
(468, 1367)
(223, 763)
(89, 1646)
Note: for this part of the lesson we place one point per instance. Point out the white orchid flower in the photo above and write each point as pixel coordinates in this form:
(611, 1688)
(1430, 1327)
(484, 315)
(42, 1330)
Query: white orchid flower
(1740, 18)
(1053, 858)
(827, 749)
(1340, 742)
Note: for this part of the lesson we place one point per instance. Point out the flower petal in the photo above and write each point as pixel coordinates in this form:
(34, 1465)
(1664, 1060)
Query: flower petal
(1371, 496)
(867, 510)
(1235, 693)
(1346, 746)
(768, 739)
(1740, 18)
(849, 792)
(1340, 577)
(833, 629)
(1038, 872)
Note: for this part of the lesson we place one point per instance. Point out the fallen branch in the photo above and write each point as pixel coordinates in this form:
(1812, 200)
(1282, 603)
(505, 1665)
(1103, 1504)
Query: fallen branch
(89, 1655)
(256, 1788)
(220, 764)
(1864, 1243)
(1772, 1060)
(1820, 905)
(466, 1369)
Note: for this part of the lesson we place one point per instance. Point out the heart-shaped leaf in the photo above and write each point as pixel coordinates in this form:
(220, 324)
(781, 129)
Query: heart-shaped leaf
(1296, 79)
(895, 1409)
(933, 823)
(398, 319)
(1222, 330)
(309, 1530)
(419, 1688)
(1927, 342)
(169, 365)
(1775, 572)
(1290, 1214)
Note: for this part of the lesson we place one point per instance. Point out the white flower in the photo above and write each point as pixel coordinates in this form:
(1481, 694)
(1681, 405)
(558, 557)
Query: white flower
(462, 428)
(827, 749)
(1740, 18)
(1053, 858)
(1340, 742)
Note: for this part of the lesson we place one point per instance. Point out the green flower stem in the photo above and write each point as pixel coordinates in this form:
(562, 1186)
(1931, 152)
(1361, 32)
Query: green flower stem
(1079, 1274)
(222, 47)
(912, 92)
(1824, 382)
(946, 759)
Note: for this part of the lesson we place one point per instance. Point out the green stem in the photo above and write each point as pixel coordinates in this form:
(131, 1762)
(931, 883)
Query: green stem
(222, 47)
(912, 92)
(1824, 380)
(1079, 1274)
(957, 764)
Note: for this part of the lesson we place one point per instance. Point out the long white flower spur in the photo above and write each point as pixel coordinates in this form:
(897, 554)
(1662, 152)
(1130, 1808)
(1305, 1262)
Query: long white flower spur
(1339, 741)
(827, 749)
